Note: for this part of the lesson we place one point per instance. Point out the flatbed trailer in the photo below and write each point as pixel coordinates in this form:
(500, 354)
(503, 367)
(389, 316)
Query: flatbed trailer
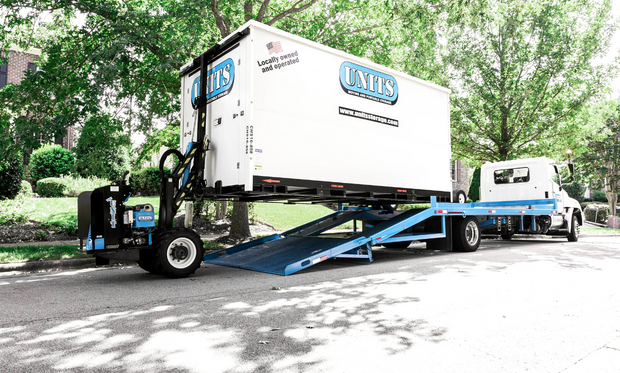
(304, 246)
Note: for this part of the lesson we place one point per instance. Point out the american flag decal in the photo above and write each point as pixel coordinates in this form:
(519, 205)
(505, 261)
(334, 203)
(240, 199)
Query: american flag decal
(274, 47)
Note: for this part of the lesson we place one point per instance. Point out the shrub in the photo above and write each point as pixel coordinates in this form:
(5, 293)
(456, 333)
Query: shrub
(474, 187)
(51, 187)
(11, 211)
(75, 184)
(103, 148)
(146, 182)
(50, 161)
(591, 213)
(26, 190)
(599, 196)
(11, 175)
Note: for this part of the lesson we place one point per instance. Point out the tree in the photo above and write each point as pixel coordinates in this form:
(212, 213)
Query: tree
(102, 149)
(123, 59)
(601, 160)
(474, 187)
(521, 71)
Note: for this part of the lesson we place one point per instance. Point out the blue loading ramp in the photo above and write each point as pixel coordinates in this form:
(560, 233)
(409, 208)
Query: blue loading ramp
(301, 247)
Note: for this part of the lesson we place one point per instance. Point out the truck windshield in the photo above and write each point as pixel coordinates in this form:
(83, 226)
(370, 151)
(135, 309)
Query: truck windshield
(512, 175)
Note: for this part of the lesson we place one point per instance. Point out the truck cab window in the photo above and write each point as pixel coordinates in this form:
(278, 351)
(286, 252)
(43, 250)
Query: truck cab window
(553, 174)
(512, 175)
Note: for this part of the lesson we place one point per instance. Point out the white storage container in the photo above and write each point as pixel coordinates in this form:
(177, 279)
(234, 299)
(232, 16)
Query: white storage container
(286, 114)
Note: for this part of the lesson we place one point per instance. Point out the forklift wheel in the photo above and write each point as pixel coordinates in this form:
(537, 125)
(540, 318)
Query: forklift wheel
(466, 234)
(179, 253)
(147, 261)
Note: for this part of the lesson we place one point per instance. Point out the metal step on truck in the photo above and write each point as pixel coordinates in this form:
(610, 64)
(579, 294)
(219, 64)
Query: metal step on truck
(267, 116)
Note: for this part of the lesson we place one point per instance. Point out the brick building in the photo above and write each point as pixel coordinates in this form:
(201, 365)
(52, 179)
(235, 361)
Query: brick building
(460, 176)
(12, 72)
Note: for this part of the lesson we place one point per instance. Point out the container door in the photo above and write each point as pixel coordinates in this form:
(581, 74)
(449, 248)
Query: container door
(223, 120)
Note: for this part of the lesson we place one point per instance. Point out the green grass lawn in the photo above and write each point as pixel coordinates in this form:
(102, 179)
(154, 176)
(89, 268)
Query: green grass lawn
(45, 252)
(599, 231)
(284, 217)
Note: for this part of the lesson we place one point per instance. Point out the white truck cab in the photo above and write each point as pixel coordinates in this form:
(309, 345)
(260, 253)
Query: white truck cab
(530, 180)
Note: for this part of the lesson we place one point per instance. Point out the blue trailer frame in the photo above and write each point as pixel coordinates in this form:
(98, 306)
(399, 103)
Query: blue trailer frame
(301, 247)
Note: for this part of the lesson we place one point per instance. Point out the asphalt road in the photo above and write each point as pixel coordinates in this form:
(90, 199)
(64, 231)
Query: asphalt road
(535, 306)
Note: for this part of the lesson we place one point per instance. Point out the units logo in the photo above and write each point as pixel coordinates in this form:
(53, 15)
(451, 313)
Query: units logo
(366, 83)
(220, 81)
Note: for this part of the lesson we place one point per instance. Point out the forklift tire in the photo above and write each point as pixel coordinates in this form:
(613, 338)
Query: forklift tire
(178, 253)
(573, 236)
(397, 245)
(147, 261)
(466, 234)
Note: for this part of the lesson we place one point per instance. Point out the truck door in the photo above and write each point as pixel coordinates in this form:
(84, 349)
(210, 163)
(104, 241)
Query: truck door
(556, 189)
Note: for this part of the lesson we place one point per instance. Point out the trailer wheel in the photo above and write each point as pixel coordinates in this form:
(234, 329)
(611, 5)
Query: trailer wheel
(397, 245)
(573, 236)
(179, 253)
(466, 234)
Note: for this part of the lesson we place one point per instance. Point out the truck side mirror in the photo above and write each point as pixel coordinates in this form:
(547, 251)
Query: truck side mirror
(571, 177)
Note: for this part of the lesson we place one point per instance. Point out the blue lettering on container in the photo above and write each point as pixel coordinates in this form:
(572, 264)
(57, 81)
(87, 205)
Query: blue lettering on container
(220, 81)
(366, 83)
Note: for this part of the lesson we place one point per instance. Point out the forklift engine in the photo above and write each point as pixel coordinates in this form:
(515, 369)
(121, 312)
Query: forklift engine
(111, 226)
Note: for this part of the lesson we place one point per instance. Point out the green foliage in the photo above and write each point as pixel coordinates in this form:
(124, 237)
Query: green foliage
(103, 148)
(25, 190)
(50, 161)
(600, 160)
(43, 252)
(474, 186)
(11, 211)
(598, 212)
(520, 73)
(577, 189)
(75, 184)
(205, 209)
(51, 187)
(599, 196)
(11, 175)
(147, 182)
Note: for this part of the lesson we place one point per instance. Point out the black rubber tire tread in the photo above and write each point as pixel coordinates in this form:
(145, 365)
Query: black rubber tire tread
(459, 238)
(147, 261)
(573, 236)
(457, 194)
(162, 264)
(507, 237)
(397, 245)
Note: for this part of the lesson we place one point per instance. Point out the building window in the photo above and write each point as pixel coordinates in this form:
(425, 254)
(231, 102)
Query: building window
(3, 74)
(32, 66)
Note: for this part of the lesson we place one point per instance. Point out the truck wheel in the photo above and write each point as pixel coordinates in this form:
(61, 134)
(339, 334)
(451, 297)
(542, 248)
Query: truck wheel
(397, 245)
(466, 234)
(147, 261)
(460, 196)
(179, 253)
(573, 236)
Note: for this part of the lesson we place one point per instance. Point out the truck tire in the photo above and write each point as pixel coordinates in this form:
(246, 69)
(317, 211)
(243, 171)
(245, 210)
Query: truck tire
(573, 236)
(179, 253)
(466, 234)
(397, 245)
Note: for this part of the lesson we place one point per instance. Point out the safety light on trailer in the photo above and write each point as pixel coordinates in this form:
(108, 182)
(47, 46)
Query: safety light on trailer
(491, 211)
(441, 211)
(521, 212)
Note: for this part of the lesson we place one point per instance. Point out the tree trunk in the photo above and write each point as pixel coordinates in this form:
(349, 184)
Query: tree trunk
(240, 226)
(612, 199)
(220, 209)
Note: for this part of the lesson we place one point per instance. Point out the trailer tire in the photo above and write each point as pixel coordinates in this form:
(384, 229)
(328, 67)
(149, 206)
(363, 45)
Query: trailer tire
(397, 245)
(466, 234)
(179, 253)
(573, 236)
